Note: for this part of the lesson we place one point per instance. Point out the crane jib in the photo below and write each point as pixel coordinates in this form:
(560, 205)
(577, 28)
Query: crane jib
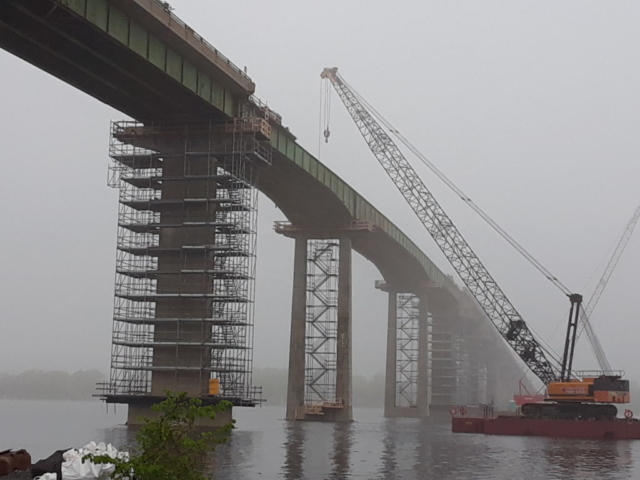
(463, 259)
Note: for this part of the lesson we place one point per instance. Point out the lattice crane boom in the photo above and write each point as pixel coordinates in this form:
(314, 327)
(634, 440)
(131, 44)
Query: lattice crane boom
(585, 318)
(474, 274)
(613, 262)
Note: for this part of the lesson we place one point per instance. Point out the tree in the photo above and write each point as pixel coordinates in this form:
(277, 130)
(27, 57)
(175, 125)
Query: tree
(171, 446)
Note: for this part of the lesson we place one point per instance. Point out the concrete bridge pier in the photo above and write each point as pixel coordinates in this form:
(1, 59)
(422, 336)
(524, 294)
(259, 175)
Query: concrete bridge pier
(392, 355)
(406, 371)
(297, 354)
(448, 351)
(443, 361)
(344, 366)
(320, 359)
(423, 357)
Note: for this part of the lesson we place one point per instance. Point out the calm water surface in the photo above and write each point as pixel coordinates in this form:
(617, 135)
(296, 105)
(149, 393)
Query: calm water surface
(266, 447)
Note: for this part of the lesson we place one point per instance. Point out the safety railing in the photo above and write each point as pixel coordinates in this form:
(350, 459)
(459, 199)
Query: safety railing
(598, 373)
(169, 9)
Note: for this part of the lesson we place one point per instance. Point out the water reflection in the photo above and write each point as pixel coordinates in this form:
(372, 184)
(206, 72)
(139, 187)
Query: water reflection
(393, 449)
(231, 459)
(342, 444)
(315, 447)
(417, 449)
(589, 459)
(389, 465)
(266, 446)
(122, 437)
(398, 447)
(294, 450)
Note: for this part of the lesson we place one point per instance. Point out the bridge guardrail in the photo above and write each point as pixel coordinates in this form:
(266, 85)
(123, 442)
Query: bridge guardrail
(169, 9)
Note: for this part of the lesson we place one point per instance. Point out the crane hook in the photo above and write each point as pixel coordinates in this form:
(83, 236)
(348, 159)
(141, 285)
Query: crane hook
(326, 135)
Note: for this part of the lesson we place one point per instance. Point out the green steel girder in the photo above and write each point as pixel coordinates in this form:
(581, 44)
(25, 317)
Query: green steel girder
(120, 61)
(69, 47)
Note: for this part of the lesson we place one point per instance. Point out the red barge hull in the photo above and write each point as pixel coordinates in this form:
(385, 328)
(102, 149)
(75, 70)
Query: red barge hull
(525, 427)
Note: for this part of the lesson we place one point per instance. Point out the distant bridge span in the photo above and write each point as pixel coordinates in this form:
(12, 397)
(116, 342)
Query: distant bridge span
(137, 57)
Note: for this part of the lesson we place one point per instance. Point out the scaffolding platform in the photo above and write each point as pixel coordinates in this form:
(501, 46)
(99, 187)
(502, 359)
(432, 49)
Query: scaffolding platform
(319, 408)
(185, 265)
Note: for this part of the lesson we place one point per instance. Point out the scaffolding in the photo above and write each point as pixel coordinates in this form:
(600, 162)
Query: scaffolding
(466, 365)
(462, 393)
(321, 322)
(458, 374)
(407, 348)
(185, 265)
(444, 370)
(477, 352)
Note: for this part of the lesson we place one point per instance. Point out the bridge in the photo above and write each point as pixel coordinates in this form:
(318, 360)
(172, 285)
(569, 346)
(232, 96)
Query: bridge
(187, 169)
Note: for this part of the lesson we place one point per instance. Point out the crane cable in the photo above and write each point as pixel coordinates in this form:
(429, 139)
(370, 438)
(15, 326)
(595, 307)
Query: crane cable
(465, 198)
(327, 112)
(613, 262)
(585, 324)
(544, 346)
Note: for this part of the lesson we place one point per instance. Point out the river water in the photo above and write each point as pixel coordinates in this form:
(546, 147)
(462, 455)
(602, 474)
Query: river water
(264, 446)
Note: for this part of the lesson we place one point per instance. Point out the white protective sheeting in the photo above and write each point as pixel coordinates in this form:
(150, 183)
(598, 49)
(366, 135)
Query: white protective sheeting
(74, 468)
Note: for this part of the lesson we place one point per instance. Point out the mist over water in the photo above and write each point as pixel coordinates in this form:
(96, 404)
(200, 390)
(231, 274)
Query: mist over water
(531, 109)
(372, 447)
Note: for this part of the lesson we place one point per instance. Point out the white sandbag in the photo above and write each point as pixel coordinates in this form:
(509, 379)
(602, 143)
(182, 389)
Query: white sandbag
(74, 468)
(47, 476)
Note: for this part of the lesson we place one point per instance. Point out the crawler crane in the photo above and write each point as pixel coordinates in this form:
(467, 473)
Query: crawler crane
(570, 394)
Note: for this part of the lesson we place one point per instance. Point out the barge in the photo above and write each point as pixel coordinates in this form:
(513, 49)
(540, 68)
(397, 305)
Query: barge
(616, 429)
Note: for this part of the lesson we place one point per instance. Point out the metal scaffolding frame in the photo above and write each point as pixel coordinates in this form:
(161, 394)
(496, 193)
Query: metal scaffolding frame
(477, 349)
(185, 263)
(321, 321)
(462, 365)
(407, 348)
(458, 372)
(444, 371)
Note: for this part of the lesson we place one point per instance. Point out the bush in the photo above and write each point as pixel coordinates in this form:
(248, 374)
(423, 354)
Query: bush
(171, 446)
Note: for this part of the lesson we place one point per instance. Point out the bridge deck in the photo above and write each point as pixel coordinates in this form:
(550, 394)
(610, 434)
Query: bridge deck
(139, 58)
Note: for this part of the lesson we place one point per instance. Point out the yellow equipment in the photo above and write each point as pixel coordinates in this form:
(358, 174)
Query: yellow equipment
(214, 386)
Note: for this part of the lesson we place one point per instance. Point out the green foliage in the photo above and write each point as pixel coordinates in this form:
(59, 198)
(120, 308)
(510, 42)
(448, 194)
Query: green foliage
(171, 446)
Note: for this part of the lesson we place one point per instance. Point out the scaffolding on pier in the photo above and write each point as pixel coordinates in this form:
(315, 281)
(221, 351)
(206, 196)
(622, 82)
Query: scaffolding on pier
(407, 350)
(458, 372)
(322, 322)
(185, 266)
(444, 361)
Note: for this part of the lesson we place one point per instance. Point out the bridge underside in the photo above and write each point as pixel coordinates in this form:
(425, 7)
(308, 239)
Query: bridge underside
(64, 44)
(134, 56)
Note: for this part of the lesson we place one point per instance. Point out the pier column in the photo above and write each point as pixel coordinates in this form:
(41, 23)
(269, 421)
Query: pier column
(390, 369)
(320, 359)
(402, 396)
(344, 332)
(295, 385)
(423, 357)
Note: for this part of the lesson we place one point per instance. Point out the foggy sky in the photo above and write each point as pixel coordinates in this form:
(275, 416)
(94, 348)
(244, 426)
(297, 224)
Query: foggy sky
(530, 107)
